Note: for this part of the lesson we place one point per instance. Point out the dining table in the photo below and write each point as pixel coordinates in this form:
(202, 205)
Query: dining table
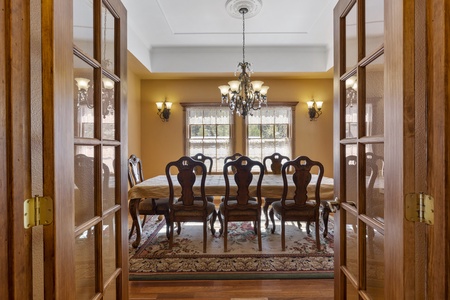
(272, 186)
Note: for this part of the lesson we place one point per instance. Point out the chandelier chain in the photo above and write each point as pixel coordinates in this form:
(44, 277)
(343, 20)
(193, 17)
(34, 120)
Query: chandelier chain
(243, 36)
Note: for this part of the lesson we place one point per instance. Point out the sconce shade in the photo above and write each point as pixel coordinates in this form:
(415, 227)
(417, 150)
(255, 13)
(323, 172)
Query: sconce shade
(159, 105)
(310, 104)
(234, 85)
(168, 105)
(108, 83)
(257, 85)
(82, 83)
(319, 105)
(264, 90)
(224, 89)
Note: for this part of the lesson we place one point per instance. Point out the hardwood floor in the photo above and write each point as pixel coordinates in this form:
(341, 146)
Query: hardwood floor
(317, 289)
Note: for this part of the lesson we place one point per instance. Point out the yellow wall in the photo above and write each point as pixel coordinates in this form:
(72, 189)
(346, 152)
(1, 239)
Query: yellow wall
(134, 113)
(162, 142)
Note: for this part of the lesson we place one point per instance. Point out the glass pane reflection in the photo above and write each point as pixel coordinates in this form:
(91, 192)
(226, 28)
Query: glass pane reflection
(374, 263)
(374, 25)
(351, 39)
(108, 21)
(351, 175)
(84, 187)
(83, 107)
(108, 108)
(351, 244)
(375, 181)
(351, 107)
(108, 177)
(85, 266)
(374, 97)
(83, 26)
(109, 247)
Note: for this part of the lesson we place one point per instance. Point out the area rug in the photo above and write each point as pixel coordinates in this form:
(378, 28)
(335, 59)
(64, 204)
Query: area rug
(152, 260)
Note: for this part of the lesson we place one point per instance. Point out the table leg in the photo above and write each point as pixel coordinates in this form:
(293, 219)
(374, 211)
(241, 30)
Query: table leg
(134, 212)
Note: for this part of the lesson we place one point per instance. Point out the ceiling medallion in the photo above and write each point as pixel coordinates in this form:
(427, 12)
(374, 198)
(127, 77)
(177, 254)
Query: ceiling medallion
(234, 7)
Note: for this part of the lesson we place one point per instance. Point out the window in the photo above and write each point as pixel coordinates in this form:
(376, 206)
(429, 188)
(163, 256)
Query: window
(269, 130)
(209, 131)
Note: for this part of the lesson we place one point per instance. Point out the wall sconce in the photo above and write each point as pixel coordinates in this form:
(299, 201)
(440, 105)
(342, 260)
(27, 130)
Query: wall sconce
(107, 97)
(83, 86)
(351, 91)
(314, 109)
(164, 110)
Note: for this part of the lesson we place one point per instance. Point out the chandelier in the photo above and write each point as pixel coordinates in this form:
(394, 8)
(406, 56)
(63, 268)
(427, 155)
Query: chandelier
(242, 95)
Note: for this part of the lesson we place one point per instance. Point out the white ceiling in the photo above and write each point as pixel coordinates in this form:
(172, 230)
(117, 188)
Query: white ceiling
(200, 37)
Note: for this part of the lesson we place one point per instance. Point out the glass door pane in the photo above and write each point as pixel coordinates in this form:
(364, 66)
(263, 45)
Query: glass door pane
(374, 118)
(351, 38)
(362, 148)
(98, 147)
(374, 24)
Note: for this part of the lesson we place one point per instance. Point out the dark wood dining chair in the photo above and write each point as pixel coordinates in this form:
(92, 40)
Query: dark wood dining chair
(276, 161)
(230, 158)
(232, 170)
(147, 206)
(301, 208)
(187, 208)
(207, 160)
(242, 207)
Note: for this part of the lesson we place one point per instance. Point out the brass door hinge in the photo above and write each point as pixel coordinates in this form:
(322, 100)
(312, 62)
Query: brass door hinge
(37, 211)
(419, 208)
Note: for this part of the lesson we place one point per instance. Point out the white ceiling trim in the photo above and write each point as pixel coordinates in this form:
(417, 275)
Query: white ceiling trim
(225, 59)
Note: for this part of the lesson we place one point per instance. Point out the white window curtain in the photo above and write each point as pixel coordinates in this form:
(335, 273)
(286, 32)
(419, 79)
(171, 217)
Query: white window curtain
(209, 131)
(269, 130)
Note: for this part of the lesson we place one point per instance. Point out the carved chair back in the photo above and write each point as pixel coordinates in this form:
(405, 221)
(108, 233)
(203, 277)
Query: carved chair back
(230, 158)
(276, 162)
(243, 177)
(184, 169)
(204, 159)
(135, 173)
(302, 167)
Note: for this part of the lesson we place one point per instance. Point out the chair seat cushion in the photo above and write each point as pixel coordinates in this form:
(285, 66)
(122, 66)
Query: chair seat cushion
(253, 206)
(309, 207)
(210, 208)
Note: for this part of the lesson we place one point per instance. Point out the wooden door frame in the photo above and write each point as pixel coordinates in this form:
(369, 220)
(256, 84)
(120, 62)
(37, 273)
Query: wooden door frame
(399, 141)
(58, 149)
(15, 173)
(56, 41)
(438, 83)
(406, 69)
